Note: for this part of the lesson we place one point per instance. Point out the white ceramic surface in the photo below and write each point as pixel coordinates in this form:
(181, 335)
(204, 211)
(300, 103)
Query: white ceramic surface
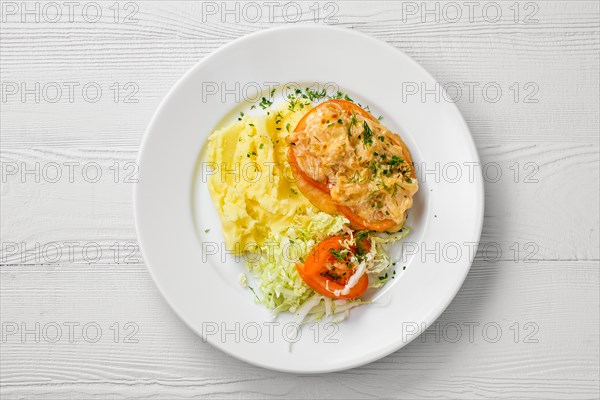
(173, 209)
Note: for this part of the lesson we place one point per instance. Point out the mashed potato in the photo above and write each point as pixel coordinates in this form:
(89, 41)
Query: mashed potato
(251, 183)
(262, 210)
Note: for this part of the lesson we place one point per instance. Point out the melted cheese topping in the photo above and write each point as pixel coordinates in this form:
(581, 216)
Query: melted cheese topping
(366, 167)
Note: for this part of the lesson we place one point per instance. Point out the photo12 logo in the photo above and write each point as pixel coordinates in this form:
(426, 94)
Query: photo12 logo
(68, 92)
(472, 332)
(269, 11)
(260, 93)
(269, 332)
(470, 92)
(451, 12)
(69, 11)
(68, 171)
(69, 332)
(70, 252)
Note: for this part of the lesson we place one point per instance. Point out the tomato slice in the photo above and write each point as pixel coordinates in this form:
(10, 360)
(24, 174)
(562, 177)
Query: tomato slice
(345, 104)
(356, 220)
(326, 272)
(320, 199)
(361, 223)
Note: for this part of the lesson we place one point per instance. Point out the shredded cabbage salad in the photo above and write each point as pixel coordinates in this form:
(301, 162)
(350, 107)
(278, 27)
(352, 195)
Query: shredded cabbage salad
(280, 287)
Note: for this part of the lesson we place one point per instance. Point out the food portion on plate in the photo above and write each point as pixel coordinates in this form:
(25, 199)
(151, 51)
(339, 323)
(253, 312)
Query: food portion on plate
(252, 187)
(361, 169)
(311, 192)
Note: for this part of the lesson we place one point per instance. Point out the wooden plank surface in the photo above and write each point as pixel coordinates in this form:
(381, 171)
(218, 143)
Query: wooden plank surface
(542, 133)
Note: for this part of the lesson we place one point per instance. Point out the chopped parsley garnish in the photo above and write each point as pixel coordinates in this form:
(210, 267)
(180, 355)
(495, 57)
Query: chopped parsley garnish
(331, 275)
(314, 94)
(373, 166)
(255, 296)
(355, 177)
(339, 254)
(367, 135)
(395, 160)
(339, 95)
(264, 103)
(361, 241)
(292, 102)
(361, 235)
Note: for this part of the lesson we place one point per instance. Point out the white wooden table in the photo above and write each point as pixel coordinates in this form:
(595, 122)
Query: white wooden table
(80, 315)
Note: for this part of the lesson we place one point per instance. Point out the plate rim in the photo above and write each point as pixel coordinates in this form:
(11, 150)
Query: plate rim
(431, 317)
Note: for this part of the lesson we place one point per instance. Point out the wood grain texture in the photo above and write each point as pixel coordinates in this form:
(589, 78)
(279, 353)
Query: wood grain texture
(555, 131)
(170, 361)
(527, 180)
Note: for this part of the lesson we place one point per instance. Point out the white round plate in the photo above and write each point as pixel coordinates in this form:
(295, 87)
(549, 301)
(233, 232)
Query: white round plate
(180, 232)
